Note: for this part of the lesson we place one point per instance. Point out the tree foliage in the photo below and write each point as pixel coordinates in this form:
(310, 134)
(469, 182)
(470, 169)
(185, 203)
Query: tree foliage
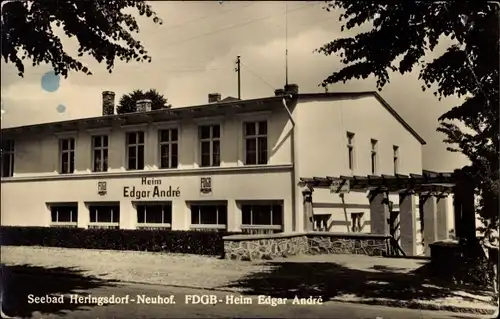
(401, 36)
(127, 103)
(101, 27)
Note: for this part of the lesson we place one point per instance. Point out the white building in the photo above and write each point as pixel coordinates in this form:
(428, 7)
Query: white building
(229, 165)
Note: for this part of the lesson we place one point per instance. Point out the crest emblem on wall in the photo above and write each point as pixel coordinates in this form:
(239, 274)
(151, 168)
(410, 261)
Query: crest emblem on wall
(102, 188)
(206, 185)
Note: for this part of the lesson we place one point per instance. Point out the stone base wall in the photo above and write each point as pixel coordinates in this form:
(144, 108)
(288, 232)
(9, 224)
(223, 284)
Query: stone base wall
(254, 247)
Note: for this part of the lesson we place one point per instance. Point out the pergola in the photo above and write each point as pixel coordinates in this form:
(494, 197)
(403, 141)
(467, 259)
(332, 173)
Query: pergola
(426, 185)
(430, 183)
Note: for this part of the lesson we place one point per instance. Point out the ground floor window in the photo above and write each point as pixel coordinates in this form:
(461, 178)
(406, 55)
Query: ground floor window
(208, 216)
(64, 215)
(154, 215)
(261, 218)
(321, 222)
(104, 215)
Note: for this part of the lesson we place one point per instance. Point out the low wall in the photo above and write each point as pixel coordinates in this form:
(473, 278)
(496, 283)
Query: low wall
(252, 247)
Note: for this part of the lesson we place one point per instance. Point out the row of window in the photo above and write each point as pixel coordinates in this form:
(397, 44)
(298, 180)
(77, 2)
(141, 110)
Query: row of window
(373, 154)
(160, 215)
(256, 150)
(255, 136)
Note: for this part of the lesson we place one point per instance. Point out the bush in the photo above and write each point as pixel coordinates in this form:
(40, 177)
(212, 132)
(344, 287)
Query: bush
(186, 242)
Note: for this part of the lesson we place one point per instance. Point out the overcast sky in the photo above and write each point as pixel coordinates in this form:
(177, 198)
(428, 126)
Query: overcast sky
(194, 53)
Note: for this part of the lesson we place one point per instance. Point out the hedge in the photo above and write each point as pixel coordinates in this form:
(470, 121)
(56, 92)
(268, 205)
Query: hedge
(187, 242)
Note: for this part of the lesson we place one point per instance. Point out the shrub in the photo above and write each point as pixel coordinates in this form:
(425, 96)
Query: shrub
(187, 242)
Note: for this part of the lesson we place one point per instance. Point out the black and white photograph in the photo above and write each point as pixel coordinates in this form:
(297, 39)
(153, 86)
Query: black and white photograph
(249, 159)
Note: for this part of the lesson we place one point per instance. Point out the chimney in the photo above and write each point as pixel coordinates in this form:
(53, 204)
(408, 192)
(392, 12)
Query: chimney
(279, 92)
(213, 97)
(108, 103)
(291, 89)
(143, 105)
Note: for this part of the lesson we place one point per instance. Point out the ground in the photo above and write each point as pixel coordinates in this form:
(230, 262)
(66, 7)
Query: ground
(359, 279)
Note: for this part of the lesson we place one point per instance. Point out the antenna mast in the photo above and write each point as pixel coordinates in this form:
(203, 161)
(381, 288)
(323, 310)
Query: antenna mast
(286, 43)
(238, 70)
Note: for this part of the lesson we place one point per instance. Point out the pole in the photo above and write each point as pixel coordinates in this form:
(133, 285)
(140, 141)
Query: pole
(238, 70)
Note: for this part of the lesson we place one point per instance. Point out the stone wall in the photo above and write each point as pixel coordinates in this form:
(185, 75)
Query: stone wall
(253, 247)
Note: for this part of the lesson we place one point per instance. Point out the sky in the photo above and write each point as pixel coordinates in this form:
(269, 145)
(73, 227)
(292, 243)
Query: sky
(194, 53)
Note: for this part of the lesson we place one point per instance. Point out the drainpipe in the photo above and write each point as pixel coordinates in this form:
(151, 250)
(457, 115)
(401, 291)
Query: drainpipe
(294, 170)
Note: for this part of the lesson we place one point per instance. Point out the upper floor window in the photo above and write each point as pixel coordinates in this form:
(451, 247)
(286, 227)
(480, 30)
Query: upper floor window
(169, 148)
(350, 150)
(210, 145)
(135, 150)
(7, 158)
(255, 143)
(374, 156)
(395, 158)
(67, 155)
(100, 153)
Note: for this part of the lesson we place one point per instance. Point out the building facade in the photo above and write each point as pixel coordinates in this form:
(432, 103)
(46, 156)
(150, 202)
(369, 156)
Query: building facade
(231, 164)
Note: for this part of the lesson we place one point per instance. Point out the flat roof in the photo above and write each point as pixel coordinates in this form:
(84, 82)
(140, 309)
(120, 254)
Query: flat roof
(204, 110)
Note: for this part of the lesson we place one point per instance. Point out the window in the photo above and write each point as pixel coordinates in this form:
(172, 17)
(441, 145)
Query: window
(154, 215)
(262, 215)
(208, 216)
(210, 145)
(100, 153)
(64, 215)
(395, 156)
(168, 148)
(104, 216)
(67, 155)
(255, 143)
(374, 156)
(7, 158)
(357, 225)
(135, 150)
(350, 150)
(320, 222)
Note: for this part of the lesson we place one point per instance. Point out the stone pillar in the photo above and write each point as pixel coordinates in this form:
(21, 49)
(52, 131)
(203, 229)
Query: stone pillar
(429, 215)
(83, 215)
(308, 209)
(379, 214)
(442, 218)
(407, 212)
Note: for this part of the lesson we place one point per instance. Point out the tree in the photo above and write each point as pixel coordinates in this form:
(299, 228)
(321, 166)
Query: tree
(127, 103)
(101, 27)
(401, 35)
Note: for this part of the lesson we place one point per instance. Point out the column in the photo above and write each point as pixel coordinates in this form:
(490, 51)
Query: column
(430, 221)
(443, 224)
(128, 215)
(233, 216)
(181, 215)
(83, 215)
(308, 209)
(407, 211)
(379, 214)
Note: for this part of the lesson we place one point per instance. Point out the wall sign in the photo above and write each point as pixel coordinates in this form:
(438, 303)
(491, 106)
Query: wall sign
(155, 191)
(206, 185)
(102, 188)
